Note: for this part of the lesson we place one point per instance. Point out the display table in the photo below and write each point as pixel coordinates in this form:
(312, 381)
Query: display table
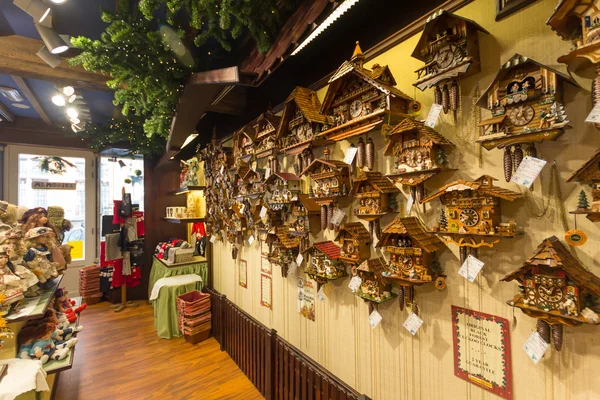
(165, 307)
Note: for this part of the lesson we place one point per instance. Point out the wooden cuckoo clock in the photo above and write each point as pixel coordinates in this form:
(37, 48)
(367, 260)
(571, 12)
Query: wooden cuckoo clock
(413, 262)
(243, 144)
(304, 217)
(449, 47)
(330, 182)
(361, 99)
(355, 243)
(525, 101)
(375, 197)
(374, 287)
(282, 248)
(267, 145)
(283, 189)
(419, 154)
(267, 222)
(472, 217)
(557, 290)
(324, 264)
(255, 183)
(240, 185)
(589, 173)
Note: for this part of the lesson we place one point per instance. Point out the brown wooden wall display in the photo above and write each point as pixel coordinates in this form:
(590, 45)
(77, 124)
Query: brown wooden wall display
(283, 188)
(355, 242)
(374, 288)
(413, 261)
(304, 216)
(283, 248)
(449, 47)
(525, 101)
(324, 262)
(589, 173)
(243, 144)
(265, 127)
(360, 99)
(419, 154)
(556, 289)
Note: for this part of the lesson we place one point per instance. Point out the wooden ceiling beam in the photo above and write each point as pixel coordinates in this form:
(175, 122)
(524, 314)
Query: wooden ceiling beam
(22, 85)
(5, 111)
(18, 57)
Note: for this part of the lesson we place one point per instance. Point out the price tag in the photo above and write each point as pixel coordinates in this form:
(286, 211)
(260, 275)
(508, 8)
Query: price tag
(594, 116)
(254, 164)
(222, 169)
(413, 323)
(242, 208)
(355, 283)
(251, 239)
(409, 203)
(535, 347)
(267, 172)
(528, 171)
(375, 241)
(213, 238)
(292, 268)
(263, 211)
(338, 216)
(321, 294)
(350, 154)
(375, 318)
(434, 114)
(299, 259)
(471, 268)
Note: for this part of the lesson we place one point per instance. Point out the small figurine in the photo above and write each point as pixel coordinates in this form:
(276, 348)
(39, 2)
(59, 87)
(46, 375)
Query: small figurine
(40, 241)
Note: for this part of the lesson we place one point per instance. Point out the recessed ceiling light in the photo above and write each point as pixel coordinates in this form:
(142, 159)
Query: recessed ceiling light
(21, 105)
(72, 98)
(58, 1)
(58, 100)
(72, 113)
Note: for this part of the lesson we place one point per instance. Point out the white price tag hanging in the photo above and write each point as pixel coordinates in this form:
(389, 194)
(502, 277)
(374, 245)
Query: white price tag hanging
(292, 268)
(263, 211)
(375, 241)
(535, 347)
(222, 169)
(267, 172)
(375, 318)
(471, 268)
(434, 114)
(251, 239)
(299, 259)
(321, 294)
(242, 208)
(528, 171)
(350, 154)
(413, 323)
(409, 203)
(254, 165)
(338, 216)
(354, 284)
(213, 238)
(594, 116)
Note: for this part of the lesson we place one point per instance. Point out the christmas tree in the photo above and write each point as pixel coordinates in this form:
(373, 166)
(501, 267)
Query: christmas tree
(443, 221)
(583, 201)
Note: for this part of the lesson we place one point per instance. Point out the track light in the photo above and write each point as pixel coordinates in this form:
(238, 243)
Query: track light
(52, 40)
(58, 1)
(35, 8)
(58, 100)
(51, 59)
(68, 90)
(72, 113)
(75, 121)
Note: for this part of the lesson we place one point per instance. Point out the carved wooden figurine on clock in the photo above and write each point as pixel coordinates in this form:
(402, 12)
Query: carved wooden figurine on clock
(419, 154)
(413, 262)
(589, 173)
(324, 264)
(557, 290)
(375, 197)
(449, 47)
(374, 287)
(525, 101)
(361, 99)
(472, 217)
(267, 146)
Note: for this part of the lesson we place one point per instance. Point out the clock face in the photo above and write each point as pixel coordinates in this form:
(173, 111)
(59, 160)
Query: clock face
(349, 248)
(444, 58)
(413, 157)
(356, 108)
(521, 115)
(552, 294)
(469, 217)
(406, 263)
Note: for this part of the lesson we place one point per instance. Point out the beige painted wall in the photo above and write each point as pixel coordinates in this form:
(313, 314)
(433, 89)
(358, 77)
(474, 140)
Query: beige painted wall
(387, 362)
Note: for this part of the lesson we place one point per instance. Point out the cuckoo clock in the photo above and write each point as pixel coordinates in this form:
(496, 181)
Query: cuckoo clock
(361, 99)
(282, 248)
(449, 47)
(267, 222)
(375, 197)
(556, 289)
(240, 185)
(243, 144)
(589, 173)
(304, 216)
(472, 217)
(283, 189)
(419, 154)
(525, 101)
(324, 264)
(413, 262)
(300, 122)
(355, 243)
(330, 181)
(374, 287)
(255, 183)
(267, 145)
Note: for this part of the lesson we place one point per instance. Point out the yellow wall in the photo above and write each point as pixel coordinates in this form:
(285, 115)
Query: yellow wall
(387, 362)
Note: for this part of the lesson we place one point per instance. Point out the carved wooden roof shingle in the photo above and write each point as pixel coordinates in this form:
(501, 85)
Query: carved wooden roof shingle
(357, 230)
(375, 178)
(309, 204)
(289, 242)
(337, 164)
(412, 227)
(410, 125)
(593, 162)
(329, 248)
(308, 102)
(376, 266)
(461, 184)
(286, 176)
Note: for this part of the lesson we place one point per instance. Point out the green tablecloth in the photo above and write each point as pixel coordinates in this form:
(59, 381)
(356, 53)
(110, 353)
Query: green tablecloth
(165, 307)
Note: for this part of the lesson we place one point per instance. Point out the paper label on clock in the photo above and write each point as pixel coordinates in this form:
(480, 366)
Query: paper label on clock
(375, 318)
(471, 268)
(292, 268)
(213, 238)
(299, 259)
(267, 172)
(355, 283)
(263, 212)
(338, 216)
(325, 292)
(434, 114)
(594, 116)
(528, 171)
(413, 323)
(409, 203)
(535, 347)
(251, 239)
(350, 154)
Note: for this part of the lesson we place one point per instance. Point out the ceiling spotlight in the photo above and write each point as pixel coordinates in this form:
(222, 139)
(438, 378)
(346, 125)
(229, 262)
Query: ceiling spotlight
(35, 8)
(72, 113)
(52, 40)
(51, 59)
(58, 100)
(58, 1)
(78, 127)
(11, 94)
(75, 121)
(68, 90)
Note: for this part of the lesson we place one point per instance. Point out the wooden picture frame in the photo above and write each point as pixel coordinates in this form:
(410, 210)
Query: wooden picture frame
(266, 291)
(243, 273)
(505, 8)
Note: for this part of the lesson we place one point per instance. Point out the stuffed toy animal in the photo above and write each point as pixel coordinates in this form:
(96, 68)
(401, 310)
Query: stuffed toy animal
(40, 241)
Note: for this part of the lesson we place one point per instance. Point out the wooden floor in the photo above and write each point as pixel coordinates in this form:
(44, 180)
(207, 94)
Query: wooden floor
(119, 356)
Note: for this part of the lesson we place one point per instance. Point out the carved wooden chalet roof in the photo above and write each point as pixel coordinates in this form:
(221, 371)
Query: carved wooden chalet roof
(410, 125)
(375, 178)
(357, 230)
(309, 204)
(592, 166)
(308, 102)
(565, 20)
(329, 248)
(289, 242)
(286, 176)
(252, 173)
(376, 266)
(412, 227)
(262, 120)
(478, 184)
(552, 253)
(337, 164)
(414, 180)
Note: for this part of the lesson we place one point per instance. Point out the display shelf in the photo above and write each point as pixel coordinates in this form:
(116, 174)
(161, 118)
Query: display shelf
(54, 367)
(42, 304)
(186, 189)
(183, 220)
(367, 298)
(194, 260)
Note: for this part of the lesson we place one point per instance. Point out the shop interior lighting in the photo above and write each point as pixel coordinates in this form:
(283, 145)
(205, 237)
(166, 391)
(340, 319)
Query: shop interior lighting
(35, 8)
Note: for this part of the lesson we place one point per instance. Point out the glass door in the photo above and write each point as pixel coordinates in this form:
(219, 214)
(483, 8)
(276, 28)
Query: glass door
(46, 177)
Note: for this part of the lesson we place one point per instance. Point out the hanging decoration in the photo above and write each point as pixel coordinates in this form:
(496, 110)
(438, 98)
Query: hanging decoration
(589, 173)
(54, 165)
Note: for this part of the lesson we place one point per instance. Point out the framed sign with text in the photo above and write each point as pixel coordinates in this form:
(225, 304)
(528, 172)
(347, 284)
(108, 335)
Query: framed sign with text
(482, 350)
(266, 290)
(243, 273)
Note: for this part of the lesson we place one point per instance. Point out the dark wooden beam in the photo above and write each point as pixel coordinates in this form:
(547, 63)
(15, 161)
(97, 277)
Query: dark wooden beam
(31, 131)
(17, 57)
(5, 111)
(22, 85)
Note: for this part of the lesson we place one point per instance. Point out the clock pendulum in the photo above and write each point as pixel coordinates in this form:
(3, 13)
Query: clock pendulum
(508, 165)
(437, 95)
(401, 297)
(445, 99)
(360, 154)
(370, 150)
